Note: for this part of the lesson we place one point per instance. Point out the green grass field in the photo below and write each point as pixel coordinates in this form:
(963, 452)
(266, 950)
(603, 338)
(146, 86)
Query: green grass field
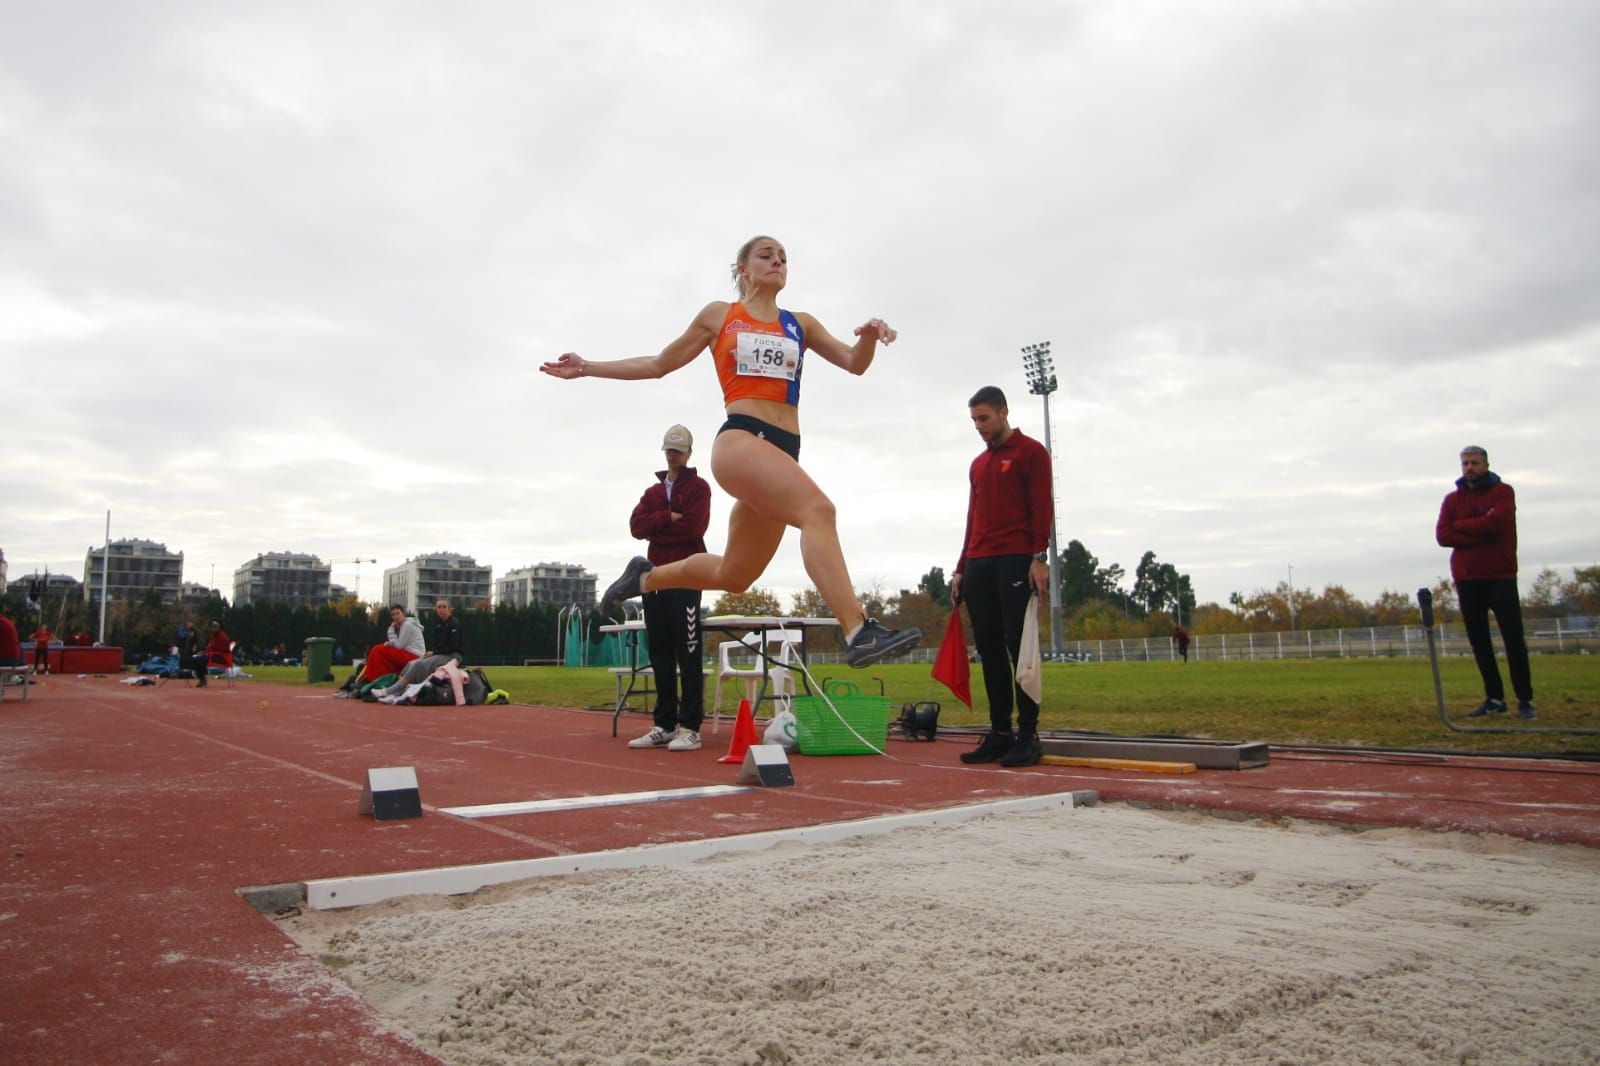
(1368, 702)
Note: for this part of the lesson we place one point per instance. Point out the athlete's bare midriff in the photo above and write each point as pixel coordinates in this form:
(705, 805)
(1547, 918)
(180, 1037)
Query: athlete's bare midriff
(783, 415)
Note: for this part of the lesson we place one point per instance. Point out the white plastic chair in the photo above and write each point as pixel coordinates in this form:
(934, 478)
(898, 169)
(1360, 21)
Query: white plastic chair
(16, 673)
(786, 652)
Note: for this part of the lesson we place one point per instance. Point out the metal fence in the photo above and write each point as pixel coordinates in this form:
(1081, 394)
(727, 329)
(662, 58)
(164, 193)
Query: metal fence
(1551, 636)
(1545, 635)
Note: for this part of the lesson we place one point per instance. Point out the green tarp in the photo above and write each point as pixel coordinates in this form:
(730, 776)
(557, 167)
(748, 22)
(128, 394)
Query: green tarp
(611, 651)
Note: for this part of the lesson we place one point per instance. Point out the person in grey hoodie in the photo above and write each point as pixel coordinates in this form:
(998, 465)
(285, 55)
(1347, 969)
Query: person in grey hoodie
(403, 643)
(449, 646)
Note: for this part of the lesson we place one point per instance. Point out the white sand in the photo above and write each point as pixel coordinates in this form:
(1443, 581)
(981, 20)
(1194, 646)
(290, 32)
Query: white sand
(1098, 935)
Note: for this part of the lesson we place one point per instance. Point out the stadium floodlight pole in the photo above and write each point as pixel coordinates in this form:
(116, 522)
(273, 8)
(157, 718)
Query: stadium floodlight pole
(105, 580)
(1291, 597)
(1041, 374)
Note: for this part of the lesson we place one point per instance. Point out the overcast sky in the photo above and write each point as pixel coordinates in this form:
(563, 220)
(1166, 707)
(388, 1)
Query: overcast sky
(278, 276)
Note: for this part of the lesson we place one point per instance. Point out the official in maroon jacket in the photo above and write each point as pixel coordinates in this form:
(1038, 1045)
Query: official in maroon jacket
(1004, 558)
(672, 515)
(1478, 522)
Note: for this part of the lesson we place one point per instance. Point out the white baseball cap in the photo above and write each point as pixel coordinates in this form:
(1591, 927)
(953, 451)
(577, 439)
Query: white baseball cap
(678, 439)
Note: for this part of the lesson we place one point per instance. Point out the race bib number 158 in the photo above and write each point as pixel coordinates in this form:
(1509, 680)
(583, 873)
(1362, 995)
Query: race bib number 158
(767, 355)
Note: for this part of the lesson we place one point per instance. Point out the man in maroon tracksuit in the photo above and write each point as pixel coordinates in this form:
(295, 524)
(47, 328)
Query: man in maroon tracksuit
(672, 515)
(1478, 522)
(1004, 558)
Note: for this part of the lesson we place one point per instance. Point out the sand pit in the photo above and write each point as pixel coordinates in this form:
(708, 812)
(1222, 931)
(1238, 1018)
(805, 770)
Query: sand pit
(1099, 935)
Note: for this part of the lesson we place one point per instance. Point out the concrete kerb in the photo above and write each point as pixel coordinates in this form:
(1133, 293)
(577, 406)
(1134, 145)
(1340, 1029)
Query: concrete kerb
(357, 891)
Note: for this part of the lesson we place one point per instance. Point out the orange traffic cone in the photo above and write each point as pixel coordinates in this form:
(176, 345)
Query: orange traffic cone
(744, 734)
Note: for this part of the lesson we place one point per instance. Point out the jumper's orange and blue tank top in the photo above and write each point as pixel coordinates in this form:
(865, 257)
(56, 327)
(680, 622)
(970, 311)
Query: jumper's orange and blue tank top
(758, 360)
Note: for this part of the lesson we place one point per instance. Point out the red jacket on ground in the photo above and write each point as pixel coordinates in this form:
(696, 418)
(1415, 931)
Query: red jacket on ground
(1009, 505)
(652, 518)
(1479, 522)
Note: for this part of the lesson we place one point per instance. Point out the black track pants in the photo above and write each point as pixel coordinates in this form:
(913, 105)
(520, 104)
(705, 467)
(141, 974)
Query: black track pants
(996, 592)
(672, 622)
(1477, 599)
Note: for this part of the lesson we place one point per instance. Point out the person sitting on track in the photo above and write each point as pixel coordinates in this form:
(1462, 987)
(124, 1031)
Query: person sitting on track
(449, 646)
(402, 644)
(217, 651)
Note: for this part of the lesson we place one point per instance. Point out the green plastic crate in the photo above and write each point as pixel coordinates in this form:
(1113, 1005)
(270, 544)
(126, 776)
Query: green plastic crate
(819, 731)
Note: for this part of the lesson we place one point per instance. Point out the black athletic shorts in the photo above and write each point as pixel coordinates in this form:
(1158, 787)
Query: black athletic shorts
(782, 439)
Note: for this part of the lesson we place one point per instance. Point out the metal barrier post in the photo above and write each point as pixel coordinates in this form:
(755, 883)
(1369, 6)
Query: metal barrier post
(1425, 601)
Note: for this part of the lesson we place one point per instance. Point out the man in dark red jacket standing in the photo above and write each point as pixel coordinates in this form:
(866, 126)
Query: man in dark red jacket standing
(672, 515)
(1004, 558)
(1478, 522)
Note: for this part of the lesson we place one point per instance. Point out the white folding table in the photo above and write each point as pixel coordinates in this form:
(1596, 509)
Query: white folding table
(739, 624)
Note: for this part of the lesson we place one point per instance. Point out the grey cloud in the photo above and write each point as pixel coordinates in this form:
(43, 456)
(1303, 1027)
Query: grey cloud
(1277, 249)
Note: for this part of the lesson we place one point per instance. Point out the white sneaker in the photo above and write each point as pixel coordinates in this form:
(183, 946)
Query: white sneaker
(686, 740)
(657, 738)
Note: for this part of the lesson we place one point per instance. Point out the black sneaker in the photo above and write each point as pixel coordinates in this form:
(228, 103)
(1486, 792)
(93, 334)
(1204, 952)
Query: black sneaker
(992, 748)
(626, 587)
(1025, 751)
(1489, 707)
(873, 642)
(1525, 709)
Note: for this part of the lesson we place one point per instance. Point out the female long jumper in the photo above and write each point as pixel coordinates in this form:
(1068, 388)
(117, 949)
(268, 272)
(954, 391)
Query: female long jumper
(759, 350)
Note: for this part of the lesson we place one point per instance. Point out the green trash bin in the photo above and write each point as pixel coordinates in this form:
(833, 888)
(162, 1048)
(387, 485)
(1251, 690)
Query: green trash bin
(319, 659)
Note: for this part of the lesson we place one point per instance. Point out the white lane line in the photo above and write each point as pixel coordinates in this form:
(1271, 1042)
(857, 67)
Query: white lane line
(287, 764)
(572, 803)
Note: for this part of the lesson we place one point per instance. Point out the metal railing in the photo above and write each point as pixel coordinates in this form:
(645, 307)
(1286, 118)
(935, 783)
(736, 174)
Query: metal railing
(1545, 636)
(1549, 636)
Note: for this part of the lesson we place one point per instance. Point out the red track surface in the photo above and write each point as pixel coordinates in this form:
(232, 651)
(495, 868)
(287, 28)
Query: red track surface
(133, 816)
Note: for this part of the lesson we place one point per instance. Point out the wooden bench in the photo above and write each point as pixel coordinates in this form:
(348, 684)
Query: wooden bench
(640, 682)
(630, 681)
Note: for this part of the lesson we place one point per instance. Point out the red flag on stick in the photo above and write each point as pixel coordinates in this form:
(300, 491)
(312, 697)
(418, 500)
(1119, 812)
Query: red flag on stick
(951, 668)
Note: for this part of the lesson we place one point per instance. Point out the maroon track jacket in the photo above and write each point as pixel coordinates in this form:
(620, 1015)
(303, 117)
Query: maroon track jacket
(1479, 522)
(1009, 507)
(652, 518)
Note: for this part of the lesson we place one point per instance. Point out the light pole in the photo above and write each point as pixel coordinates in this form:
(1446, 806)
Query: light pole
(1291, 597)
(1041, 374)
(104, 578)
